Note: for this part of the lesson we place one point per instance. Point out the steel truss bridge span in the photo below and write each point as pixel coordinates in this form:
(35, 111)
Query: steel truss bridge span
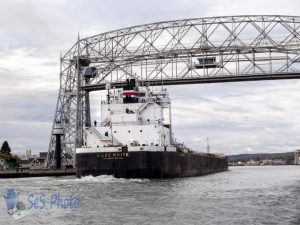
(201, 50)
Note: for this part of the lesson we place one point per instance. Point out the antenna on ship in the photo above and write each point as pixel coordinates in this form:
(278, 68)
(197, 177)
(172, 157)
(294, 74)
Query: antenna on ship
(207, 147)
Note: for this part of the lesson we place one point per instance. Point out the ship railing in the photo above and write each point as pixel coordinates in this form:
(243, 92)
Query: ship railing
(96, 132)
(106, 122)
(142, 107)
(107, 138)
(114, 140)
(156, 122)
(217, 155)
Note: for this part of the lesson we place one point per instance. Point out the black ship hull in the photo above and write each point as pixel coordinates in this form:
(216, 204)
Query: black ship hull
(149, 164)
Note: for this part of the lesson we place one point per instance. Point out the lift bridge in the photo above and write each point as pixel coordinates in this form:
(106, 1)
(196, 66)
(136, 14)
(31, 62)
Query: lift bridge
(189, 51)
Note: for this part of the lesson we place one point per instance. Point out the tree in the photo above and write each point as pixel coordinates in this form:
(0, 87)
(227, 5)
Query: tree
(5, 149)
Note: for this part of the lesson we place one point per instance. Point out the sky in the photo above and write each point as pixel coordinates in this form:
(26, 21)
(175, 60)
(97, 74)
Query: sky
(246, 117)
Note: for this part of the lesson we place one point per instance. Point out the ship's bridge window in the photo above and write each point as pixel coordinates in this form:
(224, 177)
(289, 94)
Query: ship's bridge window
(130, 99)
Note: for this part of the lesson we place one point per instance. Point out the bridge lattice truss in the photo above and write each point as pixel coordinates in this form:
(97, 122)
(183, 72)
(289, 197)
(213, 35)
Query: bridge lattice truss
(242, 47)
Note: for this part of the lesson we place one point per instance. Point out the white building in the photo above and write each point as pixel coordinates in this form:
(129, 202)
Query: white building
(28, 153)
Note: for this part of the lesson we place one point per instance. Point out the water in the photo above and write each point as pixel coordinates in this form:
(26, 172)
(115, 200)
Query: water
(243, 195)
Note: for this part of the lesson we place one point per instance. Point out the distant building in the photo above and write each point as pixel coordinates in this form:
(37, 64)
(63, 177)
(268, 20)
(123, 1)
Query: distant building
(3, 164)
(28, 153)
(24, 164)
(43, 155)
(33, 161)
(252, 162)
(297, 157)
(36, 163)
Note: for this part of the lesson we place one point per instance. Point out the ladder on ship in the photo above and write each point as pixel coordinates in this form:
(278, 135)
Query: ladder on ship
(109, 138)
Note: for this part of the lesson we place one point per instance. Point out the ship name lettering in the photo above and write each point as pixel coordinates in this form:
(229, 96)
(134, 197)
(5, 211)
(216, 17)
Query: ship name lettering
(113, 155)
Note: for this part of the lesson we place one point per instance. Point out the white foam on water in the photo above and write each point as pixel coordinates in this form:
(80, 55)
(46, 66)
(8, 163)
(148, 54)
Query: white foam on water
(104, 179)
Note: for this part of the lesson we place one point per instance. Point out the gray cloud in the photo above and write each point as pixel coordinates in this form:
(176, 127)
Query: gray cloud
(261, 116)
(240, 117)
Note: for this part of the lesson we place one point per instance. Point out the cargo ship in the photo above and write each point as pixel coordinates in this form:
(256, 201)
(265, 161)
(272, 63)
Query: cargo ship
(134, 139)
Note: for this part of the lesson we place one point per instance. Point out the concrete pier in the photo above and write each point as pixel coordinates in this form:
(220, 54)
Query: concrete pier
(36, 173)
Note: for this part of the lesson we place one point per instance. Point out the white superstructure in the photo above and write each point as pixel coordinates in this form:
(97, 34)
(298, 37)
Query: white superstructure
(132, 119)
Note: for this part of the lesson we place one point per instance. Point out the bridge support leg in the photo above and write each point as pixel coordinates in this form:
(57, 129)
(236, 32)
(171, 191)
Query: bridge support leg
(58, 151)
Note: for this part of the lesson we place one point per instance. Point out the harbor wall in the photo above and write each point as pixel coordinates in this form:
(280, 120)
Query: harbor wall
(36, 173)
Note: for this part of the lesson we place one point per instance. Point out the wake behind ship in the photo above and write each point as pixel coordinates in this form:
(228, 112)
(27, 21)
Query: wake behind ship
(134, 140)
